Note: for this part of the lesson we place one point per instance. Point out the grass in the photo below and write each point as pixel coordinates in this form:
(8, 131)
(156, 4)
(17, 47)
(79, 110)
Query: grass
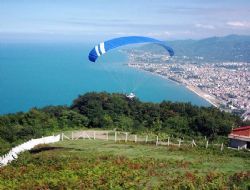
(100, 164)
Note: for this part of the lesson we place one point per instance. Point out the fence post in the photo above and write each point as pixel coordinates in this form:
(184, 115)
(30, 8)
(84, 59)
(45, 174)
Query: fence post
(135, 138)
(168, 141)
(179, 143)
(146, 140)
(193, 143)
(157, 139)
(94, 135)
(72, 135)
(83, 136)
(207, 144)
(62, 136)
(126, 139)
(222, 146)
(115, 136)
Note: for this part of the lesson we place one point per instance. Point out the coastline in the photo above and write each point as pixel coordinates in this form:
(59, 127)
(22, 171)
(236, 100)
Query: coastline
(212, 100)
(207, 97)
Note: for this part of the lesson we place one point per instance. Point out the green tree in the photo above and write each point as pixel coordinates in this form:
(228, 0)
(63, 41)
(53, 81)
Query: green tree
(124, 123)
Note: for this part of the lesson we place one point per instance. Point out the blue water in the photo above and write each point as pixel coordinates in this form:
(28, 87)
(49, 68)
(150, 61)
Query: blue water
(37, 75)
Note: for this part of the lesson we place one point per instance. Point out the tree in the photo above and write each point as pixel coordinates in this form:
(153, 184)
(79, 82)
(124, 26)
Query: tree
(124, 123)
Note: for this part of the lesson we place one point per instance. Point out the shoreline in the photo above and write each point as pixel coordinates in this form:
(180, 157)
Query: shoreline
(212, 100)
(205, 96)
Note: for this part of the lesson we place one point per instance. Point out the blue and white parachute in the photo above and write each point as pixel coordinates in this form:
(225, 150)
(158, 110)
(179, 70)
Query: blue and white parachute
(104, 47)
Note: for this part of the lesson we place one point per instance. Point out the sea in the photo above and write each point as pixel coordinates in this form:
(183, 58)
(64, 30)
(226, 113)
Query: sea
(43, 74)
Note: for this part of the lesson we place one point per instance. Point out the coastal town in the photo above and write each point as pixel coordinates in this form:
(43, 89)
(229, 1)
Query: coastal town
(225, 85)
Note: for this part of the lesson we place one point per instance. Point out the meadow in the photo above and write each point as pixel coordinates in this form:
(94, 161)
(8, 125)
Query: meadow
(101, 164)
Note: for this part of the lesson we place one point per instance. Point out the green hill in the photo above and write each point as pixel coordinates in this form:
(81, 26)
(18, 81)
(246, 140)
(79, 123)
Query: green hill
(100, 164)
(109, 111)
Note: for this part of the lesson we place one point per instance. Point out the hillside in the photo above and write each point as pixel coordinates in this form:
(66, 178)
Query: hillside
(98, 164)
(109, 111)
(116, 164)
(214, 49)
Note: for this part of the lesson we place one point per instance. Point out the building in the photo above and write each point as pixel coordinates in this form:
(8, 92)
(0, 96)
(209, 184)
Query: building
(240, 137)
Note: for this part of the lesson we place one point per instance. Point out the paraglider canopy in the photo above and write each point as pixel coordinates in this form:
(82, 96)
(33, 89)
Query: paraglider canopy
(103, 47)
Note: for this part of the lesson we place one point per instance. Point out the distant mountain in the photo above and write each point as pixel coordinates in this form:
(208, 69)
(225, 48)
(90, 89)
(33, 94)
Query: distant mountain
(228, 48)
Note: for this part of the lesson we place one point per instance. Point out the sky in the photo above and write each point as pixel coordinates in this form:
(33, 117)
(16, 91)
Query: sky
(86, 20)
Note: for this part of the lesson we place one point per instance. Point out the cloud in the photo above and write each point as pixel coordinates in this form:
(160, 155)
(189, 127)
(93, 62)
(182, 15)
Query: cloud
(205, 26)
(239, 24)
(126, 33)
(181, 10)
(159, 34)
(114, 23)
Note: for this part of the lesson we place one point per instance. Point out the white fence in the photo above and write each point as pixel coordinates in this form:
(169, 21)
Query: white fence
(13, 153)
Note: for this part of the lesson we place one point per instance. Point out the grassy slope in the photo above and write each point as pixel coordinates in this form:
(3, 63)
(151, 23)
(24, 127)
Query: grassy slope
(88, 164)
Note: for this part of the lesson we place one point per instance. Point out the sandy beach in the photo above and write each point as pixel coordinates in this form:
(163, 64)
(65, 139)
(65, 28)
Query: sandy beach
(209, 98)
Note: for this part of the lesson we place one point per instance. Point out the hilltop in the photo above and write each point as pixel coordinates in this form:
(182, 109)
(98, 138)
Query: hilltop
(118, 164)
(109, 111)
(101, 164)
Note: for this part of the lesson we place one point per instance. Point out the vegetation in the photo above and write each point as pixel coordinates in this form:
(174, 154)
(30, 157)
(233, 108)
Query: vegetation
(116, 111)
(103, 110)
(89, 164)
